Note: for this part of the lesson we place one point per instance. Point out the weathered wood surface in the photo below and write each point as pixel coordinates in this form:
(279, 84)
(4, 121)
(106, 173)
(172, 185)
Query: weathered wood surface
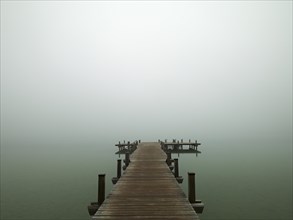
(147, 190)
(180, 147)
(182, 143)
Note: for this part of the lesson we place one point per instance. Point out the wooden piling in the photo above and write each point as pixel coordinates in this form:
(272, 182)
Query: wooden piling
(94, 206)
(126, 160)
(176, 172)
(191, 187)
(101, 189)
(118, 168)
(115, 179)
(169, 158)
(197, 205)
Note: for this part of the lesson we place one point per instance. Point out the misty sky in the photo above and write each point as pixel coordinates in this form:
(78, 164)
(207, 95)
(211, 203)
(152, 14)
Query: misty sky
(149, 70)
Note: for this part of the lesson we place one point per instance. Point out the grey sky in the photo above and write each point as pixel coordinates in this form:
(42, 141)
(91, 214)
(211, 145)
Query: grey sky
(146, 70)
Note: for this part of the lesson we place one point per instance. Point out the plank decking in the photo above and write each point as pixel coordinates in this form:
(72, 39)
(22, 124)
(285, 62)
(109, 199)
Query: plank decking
(147, 190)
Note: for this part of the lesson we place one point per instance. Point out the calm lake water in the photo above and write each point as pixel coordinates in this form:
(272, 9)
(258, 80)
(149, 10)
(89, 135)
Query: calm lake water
(236, 179)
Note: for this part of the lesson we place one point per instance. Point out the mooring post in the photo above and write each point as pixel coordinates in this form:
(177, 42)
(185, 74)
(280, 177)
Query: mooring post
(118, 168)
(176, 172)
(165, 147)
(101, 189)
(115, 179)
(197, 205)
(94, 206)
(176, 167)
(169, 158)
(191, 187)
(126, 160)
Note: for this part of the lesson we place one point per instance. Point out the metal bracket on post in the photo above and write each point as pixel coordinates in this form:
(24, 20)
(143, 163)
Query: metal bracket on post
(197, 205)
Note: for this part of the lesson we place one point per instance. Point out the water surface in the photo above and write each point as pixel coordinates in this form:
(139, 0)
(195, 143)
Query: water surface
(233, 180)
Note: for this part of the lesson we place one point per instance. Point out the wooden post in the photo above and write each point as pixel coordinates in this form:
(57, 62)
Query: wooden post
(191, 187)
(115, 179)
(176, 167)
(169, 158)
(165, 148)
(118, 168)
(101, 189)
(197, 204)
(126, 160)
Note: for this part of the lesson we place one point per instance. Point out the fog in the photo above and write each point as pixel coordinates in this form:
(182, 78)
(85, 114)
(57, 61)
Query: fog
(77, 77)
(79, 72)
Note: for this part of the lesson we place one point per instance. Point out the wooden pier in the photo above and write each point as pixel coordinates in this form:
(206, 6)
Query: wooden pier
(147, 190)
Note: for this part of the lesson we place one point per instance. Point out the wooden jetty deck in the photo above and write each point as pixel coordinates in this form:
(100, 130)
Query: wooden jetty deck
(147, 190)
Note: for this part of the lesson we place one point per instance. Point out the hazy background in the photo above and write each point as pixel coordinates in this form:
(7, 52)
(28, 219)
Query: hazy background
(76, 77)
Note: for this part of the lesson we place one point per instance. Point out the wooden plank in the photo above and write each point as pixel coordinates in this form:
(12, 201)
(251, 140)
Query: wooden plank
(146, 190)
(147, 217)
